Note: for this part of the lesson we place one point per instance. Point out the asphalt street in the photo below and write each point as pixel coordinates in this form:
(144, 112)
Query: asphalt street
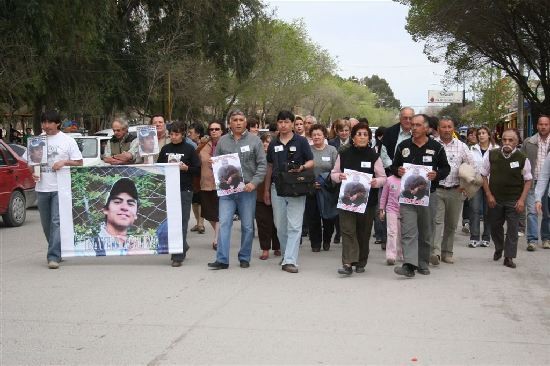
(139, 310)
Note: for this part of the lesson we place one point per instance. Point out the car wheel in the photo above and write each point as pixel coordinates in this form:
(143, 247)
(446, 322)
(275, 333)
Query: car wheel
(17, 210)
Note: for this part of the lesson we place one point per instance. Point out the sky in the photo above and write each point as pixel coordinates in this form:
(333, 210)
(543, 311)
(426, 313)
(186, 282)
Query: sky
(366, 38)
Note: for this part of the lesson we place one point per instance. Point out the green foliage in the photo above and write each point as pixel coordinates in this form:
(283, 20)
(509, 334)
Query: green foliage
(382, 89)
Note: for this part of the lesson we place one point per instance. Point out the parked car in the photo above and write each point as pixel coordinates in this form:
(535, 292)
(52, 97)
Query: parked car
(19, 149)
(16, 187)
(92, 149)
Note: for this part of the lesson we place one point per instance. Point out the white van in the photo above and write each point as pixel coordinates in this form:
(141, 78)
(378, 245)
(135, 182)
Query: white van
(92, 149)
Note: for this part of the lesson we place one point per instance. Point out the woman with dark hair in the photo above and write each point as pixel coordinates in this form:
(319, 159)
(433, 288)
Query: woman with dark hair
(324, 157)
(208, 194)
(478, 203)
(267, 232)
(356, 227)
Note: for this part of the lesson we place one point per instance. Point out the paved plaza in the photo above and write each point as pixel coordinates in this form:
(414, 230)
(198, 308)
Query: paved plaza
(139, 310)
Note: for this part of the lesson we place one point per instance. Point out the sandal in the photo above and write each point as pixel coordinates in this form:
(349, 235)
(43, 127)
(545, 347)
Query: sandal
(215, 246)
(195, 228)
(277, 253)
(265, 255)
(201, 229)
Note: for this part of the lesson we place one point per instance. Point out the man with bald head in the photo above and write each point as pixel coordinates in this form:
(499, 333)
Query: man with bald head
(395, 135)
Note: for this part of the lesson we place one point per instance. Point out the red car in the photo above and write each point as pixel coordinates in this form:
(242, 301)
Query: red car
(16, 187)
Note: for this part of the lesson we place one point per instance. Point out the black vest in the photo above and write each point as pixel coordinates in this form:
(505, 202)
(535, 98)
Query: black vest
(506, 182)
(351, 157)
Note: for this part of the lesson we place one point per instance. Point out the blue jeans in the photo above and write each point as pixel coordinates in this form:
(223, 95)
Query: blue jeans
(478, 204)
(48, 206)
(288, 213)
(245, 203)
(533, 219)
(186, 199)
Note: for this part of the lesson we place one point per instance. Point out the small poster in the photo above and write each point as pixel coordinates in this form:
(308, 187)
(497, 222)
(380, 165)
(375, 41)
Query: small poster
(354, 191)
(37, 151)
(148, 142)
(415, 185)
(228, 174)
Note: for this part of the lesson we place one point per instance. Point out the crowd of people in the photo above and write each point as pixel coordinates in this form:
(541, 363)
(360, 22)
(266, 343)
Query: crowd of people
(490, 184)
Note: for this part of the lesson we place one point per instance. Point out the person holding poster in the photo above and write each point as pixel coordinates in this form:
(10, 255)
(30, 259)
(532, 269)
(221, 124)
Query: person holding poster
(289, 152)
(251, 154)
(356, 226)
(62, 151)
(416, 228)
(180, 152)
(162, 139)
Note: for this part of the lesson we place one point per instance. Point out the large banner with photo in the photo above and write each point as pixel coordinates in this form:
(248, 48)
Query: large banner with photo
(120, 210)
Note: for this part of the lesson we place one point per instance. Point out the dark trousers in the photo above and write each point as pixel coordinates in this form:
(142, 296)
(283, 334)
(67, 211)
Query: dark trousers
(356, 231)
(380, 232)
(320, 230)
(186, 200)
(505, 212)
(267, 232)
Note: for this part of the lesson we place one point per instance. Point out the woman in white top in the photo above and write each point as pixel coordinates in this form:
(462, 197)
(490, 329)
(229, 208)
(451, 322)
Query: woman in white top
(478, 203)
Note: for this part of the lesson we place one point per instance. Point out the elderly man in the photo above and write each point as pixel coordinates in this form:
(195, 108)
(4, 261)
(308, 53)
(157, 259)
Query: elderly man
(448, 195)
(308, 122)
(536, 148)
(253, 166)
(119, 144)
(395, 134)
(416, 228)
(506, 190)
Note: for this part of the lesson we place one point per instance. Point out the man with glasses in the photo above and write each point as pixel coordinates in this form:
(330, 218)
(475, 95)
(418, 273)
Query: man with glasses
(395, 134)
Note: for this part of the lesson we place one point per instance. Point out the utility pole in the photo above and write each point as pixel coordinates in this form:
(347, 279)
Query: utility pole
(169, 98)
(520, 119)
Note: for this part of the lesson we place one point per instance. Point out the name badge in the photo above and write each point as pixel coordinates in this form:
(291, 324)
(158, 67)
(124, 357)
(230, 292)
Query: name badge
(514, 164)
(325, 158)
(431, 152)
(365, 164)
(245, 148)
(427, 159)
(292, 148)
(278, 148)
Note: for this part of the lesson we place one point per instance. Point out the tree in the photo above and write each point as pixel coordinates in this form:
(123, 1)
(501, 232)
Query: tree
(471, 34)
(382, 89)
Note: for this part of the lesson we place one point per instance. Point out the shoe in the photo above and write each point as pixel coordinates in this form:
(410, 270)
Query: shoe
(521, 233)
(236, 217)
(473, 244)
(383, 245)
(466, 228)
(423, 271)
(265, 255)
(305, 233)
(484, 244)
(218, 265)
(326, 246)
(497, 255)
(315, 250)
(359, 269)
(546, 244)
(277, 253)
(245, 264)
(404, 270)
(336, 240)
(195, 228)
(290, 268)
(53, 265)
(201, 229)
(448, 259)
(508, 262)
(531, 247)
(346, 270)
(378, 241)
(176, 263)
(215, 246)
(434, 260)
(390, 262)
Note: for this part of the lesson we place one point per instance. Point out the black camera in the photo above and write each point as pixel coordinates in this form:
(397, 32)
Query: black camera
(293, 165)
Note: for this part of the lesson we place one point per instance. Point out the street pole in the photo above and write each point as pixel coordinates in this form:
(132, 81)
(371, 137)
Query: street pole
(520, 119)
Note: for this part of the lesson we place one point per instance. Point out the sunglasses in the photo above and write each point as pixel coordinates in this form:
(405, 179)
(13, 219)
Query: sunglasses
(214, 129)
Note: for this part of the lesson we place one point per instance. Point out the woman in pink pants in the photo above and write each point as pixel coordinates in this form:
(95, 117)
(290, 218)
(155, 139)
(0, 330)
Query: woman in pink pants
(389, 205)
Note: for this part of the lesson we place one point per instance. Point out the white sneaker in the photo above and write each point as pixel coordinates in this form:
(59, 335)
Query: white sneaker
(466, 228)
(520, 234)
(473, 244)
(53, 265)
(484, 243)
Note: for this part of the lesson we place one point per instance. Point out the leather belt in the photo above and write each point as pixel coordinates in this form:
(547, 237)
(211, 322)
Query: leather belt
(443, 187)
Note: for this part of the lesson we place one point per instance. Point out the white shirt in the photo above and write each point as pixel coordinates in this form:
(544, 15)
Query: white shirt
(384, 153)
(457, 153)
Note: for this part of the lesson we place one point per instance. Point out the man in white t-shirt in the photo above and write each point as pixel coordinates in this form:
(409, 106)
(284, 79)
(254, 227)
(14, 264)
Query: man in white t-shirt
(62, 151)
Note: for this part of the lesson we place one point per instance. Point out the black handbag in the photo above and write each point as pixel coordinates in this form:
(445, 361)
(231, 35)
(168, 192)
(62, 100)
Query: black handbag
(290, 184)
